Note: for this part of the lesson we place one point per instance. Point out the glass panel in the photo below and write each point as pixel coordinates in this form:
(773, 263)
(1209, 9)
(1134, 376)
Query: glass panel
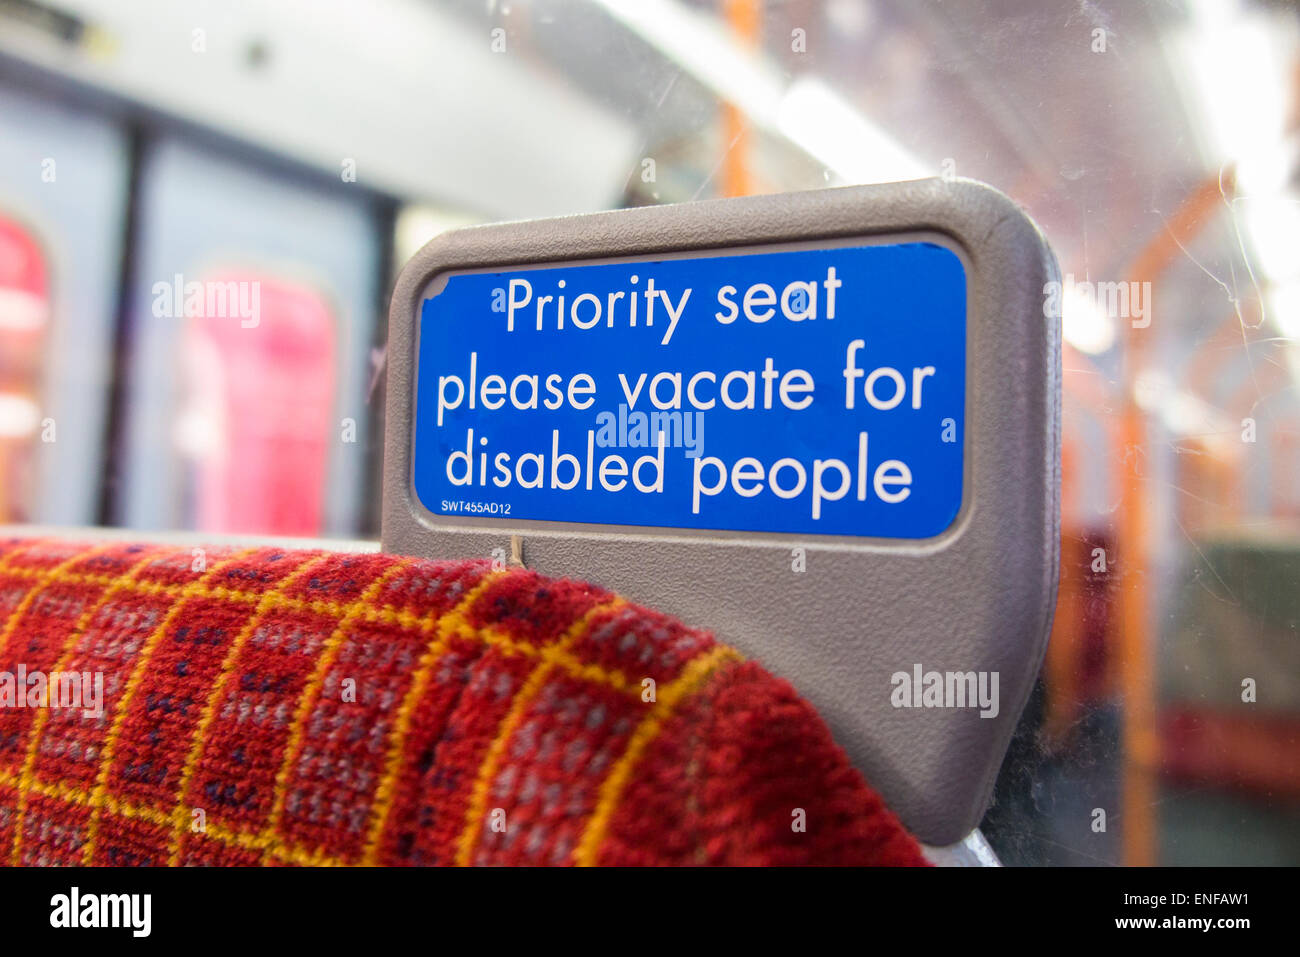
(63, 189)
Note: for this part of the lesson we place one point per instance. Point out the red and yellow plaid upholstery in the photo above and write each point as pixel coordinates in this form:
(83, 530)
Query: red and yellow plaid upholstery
(264, 706)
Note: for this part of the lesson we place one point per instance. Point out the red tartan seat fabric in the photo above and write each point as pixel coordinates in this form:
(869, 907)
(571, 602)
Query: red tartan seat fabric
(263, 706)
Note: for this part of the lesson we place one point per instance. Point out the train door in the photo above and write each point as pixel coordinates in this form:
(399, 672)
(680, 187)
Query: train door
(252, 309)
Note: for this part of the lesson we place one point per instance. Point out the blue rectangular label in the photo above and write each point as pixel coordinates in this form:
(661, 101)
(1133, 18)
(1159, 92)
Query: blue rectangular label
(815, 391)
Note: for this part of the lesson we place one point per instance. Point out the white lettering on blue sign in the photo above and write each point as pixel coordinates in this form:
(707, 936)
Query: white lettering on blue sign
(817, 391)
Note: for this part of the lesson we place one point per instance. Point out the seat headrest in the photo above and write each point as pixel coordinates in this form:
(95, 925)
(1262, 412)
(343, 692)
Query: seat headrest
(178, 705)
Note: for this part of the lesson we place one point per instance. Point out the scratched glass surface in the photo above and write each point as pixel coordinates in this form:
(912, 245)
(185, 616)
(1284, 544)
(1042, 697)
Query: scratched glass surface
(1155, 142)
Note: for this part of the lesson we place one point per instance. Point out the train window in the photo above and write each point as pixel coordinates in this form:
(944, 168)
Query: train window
(24, 324)
(63, 199)
(255, 413)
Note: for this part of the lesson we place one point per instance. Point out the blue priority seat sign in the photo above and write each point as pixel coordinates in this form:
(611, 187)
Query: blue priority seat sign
(809, 391)
(823, 426)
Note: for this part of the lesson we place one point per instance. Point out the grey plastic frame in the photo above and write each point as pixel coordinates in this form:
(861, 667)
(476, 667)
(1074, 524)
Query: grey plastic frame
(978, 597)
